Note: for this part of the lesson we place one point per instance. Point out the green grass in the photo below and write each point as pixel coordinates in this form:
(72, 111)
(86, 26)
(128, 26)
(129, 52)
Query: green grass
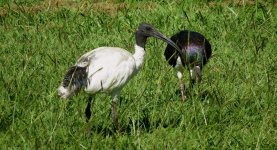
(237, 111)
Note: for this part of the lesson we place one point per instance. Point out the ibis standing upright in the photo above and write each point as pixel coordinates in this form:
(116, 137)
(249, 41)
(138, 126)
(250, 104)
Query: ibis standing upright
(195, 52)
(108, 69)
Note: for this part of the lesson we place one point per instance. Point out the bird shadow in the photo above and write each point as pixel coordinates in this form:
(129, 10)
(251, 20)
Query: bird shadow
(143, 124)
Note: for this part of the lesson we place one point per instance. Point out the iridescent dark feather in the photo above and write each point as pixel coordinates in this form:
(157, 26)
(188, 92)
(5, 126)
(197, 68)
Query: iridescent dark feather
(194, 45)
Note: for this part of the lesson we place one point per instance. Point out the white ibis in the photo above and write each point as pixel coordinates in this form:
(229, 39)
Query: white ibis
(108, 69)
(196, 50)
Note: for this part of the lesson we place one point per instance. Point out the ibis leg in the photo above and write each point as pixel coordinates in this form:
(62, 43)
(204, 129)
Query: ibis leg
(192, 77)
(198, 73)
(114, 114)
(182, 90)
(88, 111)
(195, 75)
(179, 75)
(114, 111)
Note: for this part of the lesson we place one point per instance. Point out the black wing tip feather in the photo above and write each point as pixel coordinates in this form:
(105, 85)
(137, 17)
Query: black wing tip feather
(75, 76)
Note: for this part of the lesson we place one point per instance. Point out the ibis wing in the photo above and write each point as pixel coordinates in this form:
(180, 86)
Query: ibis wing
(107, 68)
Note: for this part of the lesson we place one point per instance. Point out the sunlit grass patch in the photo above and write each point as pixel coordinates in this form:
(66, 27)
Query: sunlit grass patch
(233, 107)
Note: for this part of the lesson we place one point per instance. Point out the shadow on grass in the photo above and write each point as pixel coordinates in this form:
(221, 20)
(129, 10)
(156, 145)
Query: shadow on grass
(144, 124)
(5, 124)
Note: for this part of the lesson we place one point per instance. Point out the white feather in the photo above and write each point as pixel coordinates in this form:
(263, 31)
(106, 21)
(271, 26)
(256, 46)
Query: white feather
(110, 68)
(179, 67)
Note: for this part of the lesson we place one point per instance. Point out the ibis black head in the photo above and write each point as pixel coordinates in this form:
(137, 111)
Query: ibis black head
(146, 30)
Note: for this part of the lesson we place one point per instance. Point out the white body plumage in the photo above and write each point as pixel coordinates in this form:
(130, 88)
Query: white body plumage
(110, 68)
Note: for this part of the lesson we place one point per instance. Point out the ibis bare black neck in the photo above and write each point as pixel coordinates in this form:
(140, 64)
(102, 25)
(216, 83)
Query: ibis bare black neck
(141, 39)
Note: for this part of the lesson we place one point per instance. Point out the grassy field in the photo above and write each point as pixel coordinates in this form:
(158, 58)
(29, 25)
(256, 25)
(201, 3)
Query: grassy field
(235, 106)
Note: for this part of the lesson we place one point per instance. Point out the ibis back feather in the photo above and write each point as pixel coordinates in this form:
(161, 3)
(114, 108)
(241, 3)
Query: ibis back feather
(195, 46)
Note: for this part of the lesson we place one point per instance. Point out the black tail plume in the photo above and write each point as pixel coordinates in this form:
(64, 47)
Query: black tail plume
(75, 77)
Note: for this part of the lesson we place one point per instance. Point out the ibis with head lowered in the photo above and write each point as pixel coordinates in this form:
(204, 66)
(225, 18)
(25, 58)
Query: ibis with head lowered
(195, 52)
